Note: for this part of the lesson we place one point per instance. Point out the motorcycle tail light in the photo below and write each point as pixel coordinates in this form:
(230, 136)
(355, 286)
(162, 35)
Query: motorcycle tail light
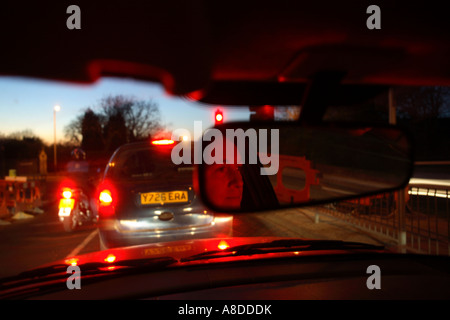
(67, 193)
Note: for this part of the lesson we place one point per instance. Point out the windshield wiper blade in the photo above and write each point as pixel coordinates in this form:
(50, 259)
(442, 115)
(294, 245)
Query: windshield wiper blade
(53, 277)
(283, 245)
(91, 267)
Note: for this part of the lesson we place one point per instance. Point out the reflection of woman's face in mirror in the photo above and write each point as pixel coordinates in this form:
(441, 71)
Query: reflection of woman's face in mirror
(224, 185)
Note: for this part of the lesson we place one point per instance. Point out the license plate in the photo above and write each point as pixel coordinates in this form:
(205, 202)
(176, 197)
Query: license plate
(164, 197)
(66, 203)
(65, 207)
(167, 250)
(64, 212)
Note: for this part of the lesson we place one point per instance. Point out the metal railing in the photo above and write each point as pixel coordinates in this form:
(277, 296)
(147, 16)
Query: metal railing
(428, 218)
(416, 219)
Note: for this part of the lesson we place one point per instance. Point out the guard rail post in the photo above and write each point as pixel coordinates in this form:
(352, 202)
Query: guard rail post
(401, 209)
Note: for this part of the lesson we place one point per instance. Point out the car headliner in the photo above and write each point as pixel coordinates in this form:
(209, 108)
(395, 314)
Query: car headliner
(233, 52)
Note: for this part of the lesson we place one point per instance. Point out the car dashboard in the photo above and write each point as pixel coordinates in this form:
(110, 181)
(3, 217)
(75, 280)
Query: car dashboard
(317, 277)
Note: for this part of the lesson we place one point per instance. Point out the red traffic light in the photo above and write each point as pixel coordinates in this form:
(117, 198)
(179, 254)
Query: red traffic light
(218, 117)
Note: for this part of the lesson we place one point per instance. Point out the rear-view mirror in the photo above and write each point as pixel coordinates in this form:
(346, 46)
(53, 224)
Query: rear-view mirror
(247, 167)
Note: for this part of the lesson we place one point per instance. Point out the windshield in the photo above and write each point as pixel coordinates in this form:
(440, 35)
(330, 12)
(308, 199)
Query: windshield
(154, 198)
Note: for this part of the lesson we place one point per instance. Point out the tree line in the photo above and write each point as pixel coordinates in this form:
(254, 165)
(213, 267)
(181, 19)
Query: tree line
(116, 120)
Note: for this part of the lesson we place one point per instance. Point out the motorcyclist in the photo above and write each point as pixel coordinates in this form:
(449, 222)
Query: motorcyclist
(78, 171)
(78, 164)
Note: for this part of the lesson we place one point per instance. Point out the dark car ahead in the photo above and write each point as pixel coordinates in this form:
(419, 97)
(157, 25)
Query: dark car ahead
(144, 197)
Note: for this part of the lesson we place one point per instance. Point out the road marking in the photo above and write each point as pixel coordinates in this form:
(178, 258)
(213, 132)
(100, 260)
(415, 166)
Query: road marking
(339, 191)
(82, 244)
(47, 223)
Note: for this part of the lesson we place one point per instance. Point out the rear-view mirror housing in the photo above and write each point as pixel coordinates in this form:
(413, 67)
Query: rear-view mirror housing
(258, 166)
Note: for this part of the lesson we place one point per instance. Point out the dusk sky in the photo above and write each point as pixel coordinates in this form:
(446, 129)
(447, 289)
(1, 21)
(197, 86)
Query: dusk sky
(27, 104)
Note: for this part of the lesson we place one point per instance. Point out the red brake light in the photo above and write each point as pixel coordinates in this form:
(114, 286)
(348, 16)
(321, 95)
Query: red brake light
(66, 188)
(105, 197)
(67, 193)
(163, 142)
(218, 117)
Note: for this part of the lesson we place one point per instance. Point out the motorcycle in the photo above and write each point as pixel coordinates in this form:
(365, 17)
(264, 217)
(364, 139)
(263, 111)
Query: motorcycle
(75, 209)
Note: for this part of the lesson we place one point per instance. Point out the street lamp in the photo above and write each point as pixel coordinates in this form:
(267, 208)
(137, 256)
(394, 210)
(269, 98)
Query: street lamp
(55, 110)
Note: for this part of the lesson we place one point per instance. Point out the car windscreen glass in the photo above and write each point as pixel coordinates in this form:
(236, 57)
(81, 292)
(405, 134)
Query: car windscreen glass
(149, 164)
(140, 174)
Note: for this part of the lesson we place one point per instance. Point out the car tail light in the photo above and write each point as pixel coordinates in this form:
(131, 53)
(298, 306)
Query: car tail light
(107, 199)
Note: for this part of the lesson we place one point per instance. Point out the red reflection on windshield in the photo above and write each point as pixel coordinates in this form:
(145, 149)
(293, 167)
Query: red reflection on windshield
(223, 245)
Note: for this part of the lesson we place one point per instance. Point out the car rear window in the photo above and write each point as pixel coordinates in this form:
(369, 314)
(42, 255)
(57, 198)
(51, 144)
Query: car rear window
(150, 163)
